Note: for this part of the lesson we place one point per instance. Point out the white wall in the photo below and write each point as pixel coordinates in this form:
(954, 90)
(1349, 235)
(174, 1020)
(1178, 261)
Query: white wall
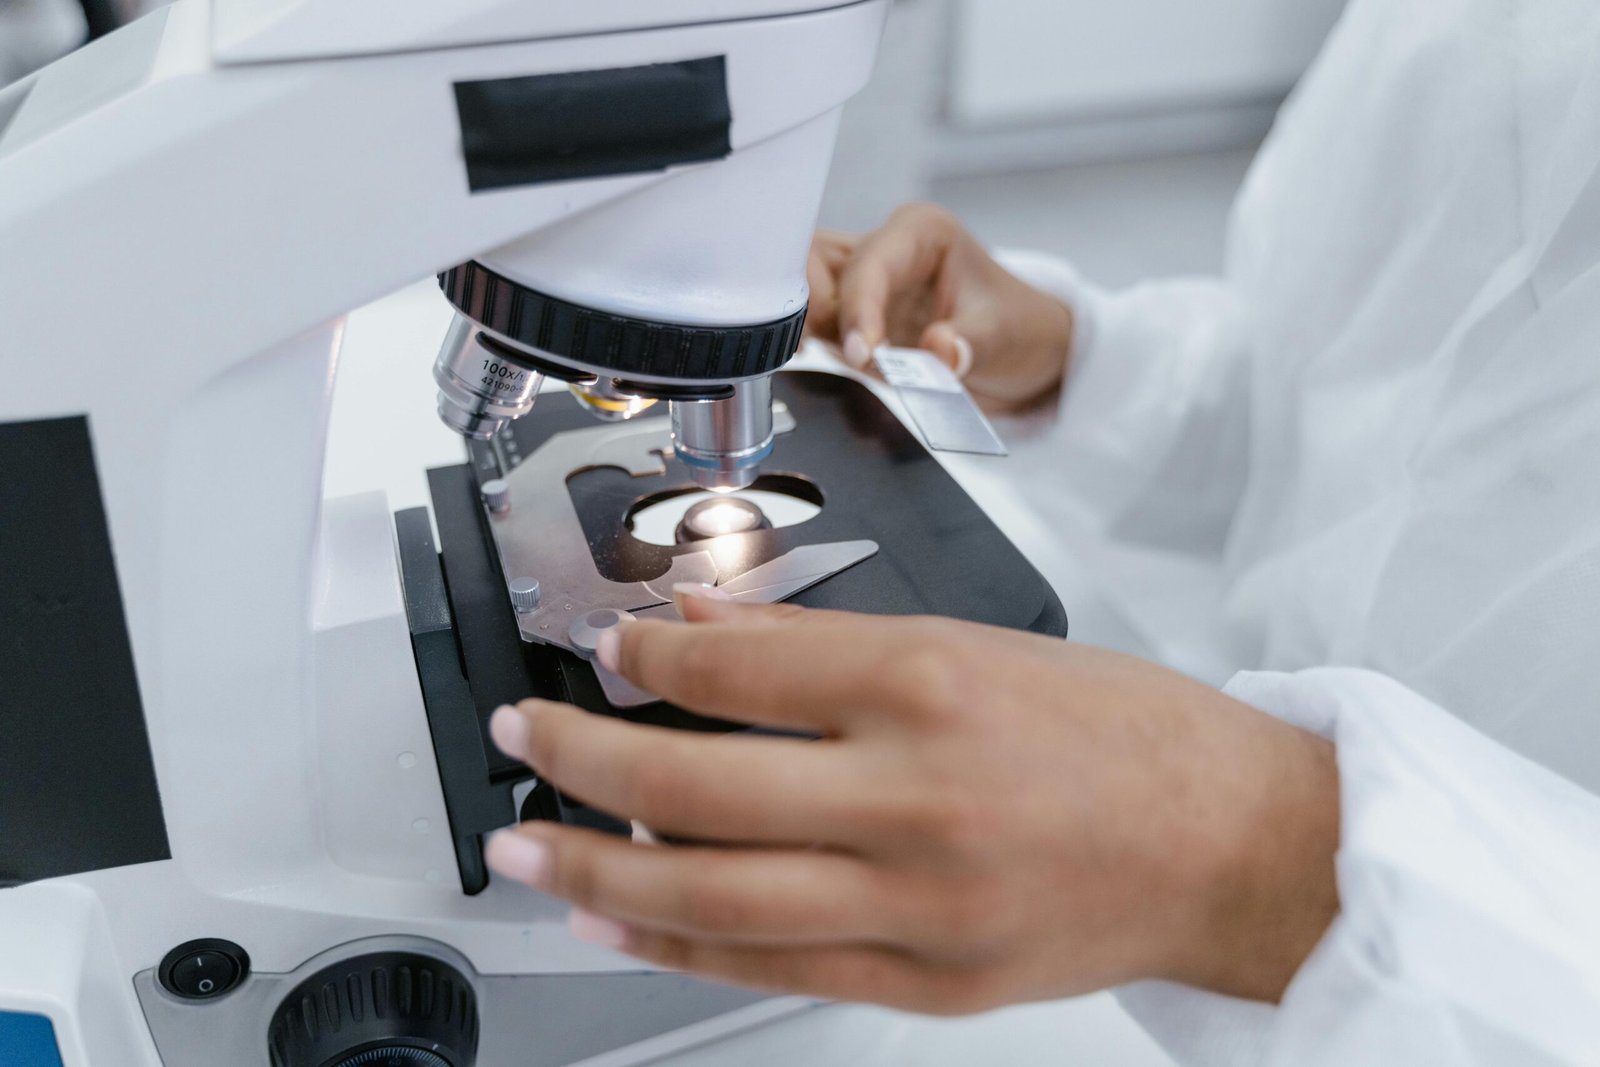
(886, 136)
(1029, 60)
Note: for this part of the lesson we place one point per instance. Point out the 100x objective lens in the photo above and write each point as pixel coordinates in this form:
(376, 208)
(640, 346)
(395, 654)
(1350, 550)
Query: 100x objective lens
(481, 387)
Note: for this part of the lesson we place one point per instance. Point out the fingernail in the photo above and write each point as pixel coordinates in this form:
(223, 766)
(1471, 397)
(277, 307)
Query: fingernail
(597, 929)
(608, 649)
(699, 591)
(510, 730)
(856, 352)
(519, 858)
(963, 365)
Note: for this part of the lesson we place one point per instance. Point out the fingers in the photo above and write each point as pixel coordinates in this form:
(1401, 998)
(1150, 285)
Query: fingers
(744, 896)
(707, 603)
(780, 667)
(830, 251)
(822, 316)
(896, 264)
(862, 312)
(728, 788)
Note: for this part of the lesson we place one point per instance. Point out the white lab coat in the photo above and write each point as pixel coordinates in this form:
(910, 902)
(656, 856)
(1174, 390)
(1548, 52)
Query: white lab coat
(1360, 474)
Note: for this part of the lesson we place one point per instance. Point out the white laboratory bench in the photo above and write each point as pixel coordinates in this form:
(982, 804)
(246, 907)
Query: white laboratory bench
(385, 435)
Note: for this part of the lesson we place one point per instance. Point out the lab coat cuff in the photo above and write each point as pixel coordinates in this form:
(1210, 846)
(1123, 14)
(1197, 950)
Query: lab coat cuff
(1465, 879)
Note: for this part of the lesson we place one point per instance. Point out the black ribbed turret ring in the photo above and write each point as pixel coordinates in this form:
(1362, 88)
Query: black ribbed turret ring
(631, 347)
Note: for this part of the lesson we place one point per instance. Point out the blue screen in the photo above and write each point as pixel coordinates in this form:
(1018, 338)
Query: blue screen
(27, 1041)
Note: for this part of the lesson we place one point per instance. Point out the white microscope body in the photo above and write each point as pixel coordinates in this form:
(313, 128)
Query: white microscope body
(188, 208)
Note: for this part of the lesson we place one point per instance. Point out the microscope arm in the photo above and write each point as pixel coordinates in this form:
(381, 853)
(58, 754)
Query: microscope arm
(179, 240)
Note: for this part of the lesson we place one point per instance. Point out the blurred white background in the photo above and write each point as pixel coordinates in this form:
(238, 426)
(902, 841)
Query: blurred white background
(1113, 133)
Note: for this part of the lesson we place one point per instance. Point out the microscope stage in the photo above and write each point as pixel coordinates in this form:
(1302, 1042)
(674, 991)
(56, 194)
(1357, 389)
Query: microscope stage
(937, 553)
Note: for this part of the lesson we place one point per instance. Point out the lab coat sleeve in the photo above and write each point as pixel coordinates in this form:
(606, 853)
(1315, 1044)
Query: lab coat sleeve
(1469, 881)
(1151, 432)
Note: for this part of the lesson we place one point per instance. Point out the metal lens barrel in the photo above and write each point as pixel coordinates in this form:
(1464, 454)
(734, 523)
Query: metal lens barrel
(480, 390)
(723, 442)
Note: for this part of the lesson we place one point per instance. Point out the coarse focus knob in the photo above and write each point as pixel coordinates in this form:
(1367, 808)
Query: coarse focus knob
(380, 1009)
(524, 594)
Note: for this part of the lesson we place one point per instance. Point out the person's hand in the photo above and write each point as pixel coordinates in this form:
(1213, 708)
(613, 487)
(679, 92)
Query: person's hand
(989, 816)
(921, 280)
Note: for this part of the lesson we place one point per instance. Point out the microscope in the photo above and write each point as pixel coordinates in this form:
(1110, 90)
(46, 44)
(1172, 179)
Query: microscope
(244, 768)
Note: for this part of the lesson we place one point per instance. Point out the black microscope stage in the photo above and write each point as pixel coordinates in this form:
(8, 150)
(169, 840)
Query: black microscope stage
(939, 555)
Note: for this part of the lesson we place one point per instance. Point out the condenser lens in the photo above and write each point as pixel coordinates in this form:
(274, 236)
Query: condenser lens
(719, 517)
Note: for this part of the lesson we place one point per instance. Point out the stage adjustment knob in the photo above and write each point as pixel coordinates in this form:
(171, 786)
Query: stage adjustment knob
(525, 594)
(380, 1009)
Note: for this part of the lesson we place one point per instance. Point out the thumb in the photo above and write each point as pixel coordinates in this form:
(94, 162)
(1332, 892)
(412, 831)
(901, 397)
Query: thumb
(947, 342)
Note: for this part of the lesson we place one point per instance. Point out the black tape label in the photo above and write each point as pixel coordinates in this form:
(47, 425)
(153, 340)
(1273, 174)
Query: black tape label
(593, 123)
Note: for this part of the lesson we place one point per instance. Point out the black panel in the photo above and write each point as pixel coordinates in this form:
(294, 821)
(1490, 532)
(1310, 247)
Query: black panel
(499, 667)
(584, 124)
(101, 17)
(77, 785)
(473, 806)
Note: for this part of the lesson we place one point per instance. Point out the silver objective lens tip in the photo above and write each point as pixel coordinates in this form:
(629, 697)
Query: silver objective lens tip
(480, 390)
(722, 442)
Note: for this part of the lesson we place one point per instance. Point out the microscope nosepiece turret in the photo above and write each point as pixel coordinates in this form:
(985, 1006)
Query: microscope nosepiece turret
(507, 337)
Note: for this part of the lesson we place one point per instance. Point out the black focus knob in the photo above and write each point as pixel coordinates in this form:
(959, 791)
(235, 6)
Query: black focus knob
(380, 1009)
